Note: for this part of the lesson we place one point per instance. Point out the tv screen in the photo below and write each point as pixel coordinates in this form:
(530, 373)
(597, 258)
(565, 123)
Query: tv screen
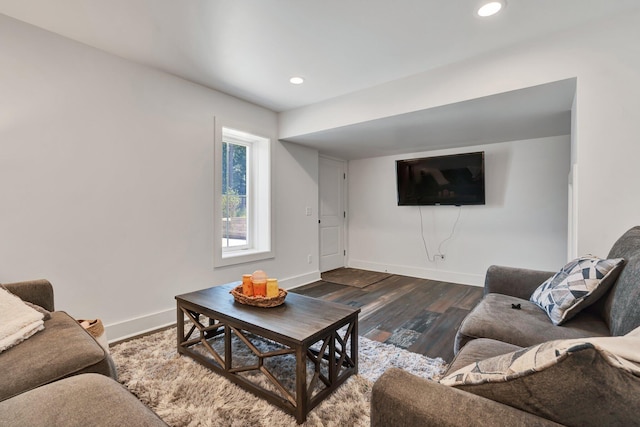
(444, 180)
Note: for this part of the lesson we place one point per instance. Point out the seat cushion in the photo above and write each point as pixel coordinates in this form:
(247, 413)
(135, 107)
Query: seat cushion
(62, 349)
(480, 349)
(78, 401)
(495, 318)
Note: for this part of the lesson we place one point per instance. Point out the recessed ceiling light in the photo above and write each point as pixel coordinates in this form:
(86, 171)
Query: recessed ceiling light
(490, 8)
(296, 80)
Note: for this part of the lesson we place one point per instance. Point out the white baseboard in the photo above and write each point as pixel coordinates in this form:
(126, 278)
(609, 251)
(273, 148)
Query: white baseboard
(296, 281)
(140, 325)
(423, 273)
(143, 324)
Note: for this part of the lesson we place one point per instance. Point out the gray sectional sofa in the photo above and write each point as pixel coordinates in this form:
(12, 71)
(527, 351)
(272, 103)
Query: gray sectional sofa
(581, 388)
(61, 376)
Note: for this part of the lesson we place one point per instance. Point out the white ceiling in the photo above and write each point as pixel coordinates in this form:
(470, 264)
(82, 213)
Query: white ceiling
(250, 48)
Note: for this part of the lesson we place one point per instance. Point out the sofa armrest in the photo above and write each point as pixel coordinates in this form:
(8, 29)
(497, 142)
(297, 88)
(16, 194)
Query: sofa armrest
(516, 282)
(401, 399)
(79, 400)
(38, 292)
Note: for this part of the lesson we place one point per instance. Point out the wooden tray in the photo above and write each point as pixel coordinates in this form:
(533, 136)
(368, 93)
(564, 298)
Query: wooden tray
(258, 301)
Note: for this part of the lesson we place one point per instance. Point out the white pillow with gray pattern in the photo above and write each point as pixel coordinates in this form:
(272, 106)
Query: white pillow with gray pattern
(576, 286)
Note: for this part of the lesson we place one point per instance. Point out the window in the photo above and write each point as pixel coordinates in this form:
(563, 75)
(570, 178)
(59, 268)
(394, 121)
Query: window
(243, 197)
(234, 195)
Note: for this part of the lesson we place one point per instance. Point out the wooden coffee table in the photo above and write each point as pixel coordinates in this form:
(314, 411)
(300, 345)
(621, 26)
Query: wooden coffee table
(322, 335)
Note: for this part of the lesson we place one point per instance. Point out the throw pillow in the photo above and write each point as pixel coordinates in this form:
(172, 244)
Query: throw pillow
(585, 382)
(576, 286)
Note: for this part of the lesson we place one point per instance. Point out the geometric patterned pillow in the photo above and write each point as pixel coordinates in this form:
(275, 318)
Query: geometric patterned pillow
(576, 286)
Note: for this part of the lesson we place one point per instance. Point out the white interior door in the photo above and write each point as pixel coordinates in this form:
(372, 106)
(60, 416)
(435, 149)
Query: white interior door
(332, 213)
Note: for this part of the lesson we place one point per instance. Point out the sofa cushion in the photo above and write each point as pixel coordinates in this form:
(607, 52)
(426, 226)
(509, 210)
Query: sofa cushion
(62, 349)
(495, 318)
(576, 286)
(621, 309)
(587, 382)
(78, 401)
(480, 349)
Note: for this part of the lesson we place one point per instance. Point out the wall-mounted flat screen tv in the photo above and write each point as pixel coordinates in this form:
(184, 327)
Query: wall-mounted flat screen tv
(444, 180)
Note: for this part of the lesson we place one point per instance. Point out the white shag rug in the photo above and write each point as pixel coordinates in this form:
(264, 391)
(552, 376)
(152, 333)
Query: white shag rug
(185, 393)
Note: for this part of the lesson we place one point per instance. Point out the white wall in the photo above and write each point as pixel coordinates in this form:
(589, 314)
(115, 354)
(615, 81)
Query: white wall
(605, 58)
(106, 182)
(523, 222)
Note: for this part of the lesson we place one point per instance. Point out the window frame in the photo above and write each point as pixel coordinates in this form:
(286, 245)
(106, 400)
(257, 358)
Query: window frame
(259, 182)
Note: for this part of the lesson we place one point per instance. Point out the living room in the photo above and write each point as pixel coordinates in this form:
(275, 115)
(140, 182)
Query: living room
(107, 173)
(107, 170)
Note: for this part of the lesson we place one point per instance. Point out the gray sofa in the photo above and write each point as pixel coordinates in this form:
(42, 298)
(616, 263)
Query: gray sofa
(494, 328)
(61, 376)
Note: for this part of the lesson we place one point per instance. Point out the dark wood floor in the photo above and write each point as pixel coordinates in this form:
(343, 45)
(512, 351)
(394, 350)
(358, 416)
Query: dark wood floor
(417, 314)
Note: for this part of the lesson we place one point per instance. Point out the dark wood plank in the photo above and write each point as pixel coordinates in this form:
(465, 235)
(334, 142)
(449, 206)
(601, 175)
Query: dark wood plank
(437, 340)
(321, 289)
(472, 295)
(377, 335)
(353, 277)
(417, 314)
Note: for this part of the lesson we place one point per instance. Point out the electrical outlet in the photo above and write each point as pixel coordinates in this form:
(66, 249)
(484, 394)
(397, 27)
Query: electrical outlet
(308, 259)
(440, 256)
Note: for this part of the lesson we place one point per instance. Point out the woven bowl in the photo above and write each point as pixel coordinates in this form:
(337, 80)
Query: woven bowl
(258, 301)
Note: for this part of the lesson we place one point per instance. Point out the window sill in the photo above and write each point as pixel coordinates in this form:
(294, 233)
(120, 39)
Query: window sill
(242, 257)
